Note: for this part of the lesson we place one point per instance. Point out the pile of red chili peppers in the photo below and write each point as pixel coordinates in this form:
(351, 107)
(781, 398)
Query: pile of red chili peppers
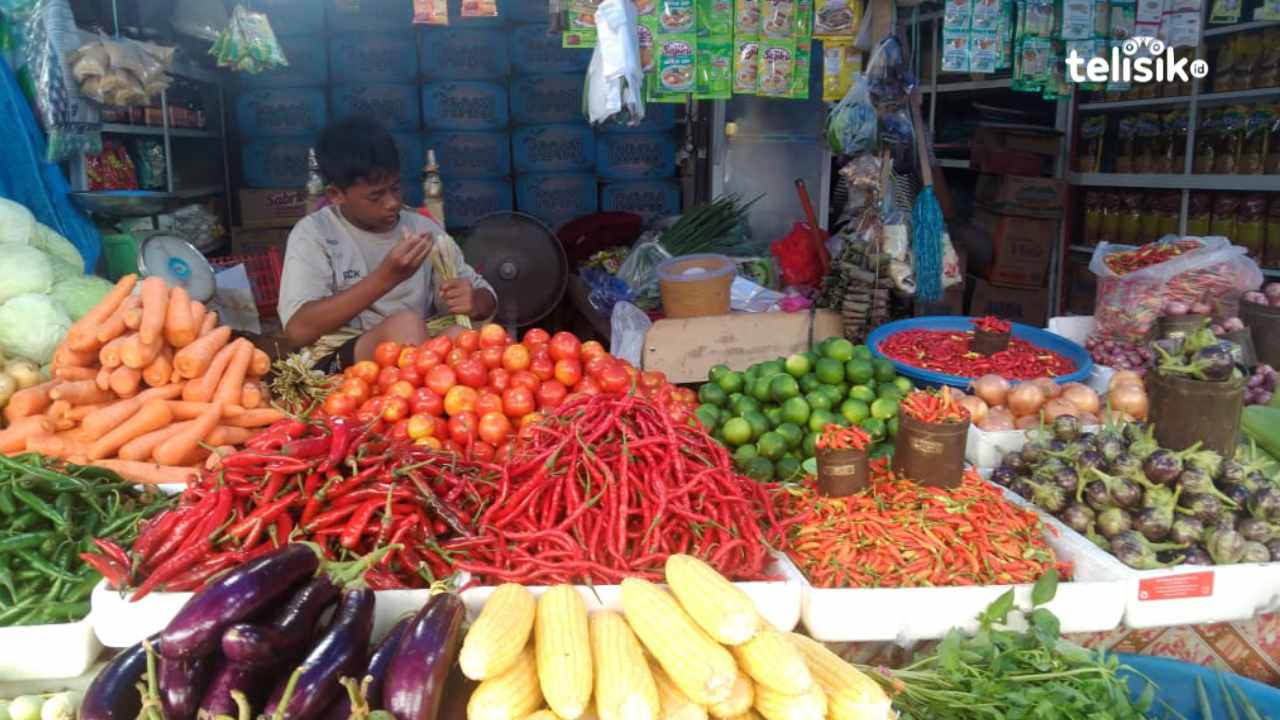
(933, 406)
(992, 324)
(949, 352)
(834, 437)
(900, 534)
(1154, 253)
(607, 487)
(335, 484)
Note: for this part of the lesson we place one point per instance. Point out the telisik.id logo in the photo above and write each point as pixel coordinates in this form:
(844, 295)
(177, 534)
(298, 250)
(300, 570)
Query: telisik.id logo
(1158, 64)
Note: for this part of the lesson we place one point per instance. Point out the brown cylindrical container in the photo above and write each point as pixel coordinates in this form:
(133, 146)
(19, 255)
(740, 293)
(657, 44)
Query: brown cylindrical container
(1263, 322)
(841, 472)
(1171, 325)
(930, 453)
(696, 285)
(989, 343)
(1185, 411)
(1244, 340)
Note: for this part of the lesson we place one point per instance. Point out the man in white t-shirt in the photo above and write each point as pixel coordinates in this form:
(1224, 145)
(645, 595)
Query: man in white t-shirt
(355, 271)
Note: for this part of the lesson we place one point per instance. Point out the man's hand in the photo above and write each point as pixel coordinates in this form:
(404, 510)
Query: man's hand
(458, 296)
(406, 257)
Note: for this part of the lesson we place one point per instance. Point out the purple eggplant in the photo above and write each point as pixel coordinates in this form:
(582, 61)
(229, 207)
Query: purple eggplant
(113, 694)
(181, 684)
(416, 679)
(197, 628)
(340, 653)
(227, 677)
(286, 636)
(251, 645)
(375, 672)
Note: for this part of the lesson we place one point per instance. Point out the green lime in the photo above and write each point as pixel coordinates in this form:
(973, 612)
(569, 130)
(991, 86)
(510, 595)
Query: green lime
(796, 410)
(836, 392)
(874, 427)
(798, 365)
(751, 374)
(889, 390)
(787, 469)
(862, 392)
(731, 382)
(783, 387)
(743, 405)
(771, 368)
(854, 410)
(771, 445)
(760, 389)
(743, 454)
(884, 408)
(820, 419)
(717, 371)
(792, 433)
(881, 450)
(712, 394)
(839, 349)
(809, 383)
(818, 400)
(861, 352)
(829, 371)
(891, 427)
(737, 432)
(708, 415)
(884, 370)
(903, 384)
(774, 415)
(809, 447)
(858, 371)
(759, 469)
(758, 422)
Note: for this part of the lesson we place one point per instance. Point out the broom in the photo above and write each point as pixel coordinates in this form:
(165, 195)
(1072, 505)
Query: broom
(927, 226)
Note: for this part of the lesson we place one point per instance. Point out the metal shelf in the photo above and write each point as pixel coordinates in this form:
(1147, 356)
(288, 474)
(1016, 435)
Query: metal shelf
(1205, 99)
(159, 131)
(1082, 249)
(199, 191)
(955, 163)
(968, 86)
(1255, 183)
(1271, 272)
(1239, 27)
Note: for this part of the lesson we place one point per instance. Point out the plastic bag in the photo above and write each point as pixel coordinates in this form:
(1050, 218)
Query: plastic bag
(1216, 273)
(248, 44)
(798, 258)
(629, 325)
(604, 290)
(747, 296)
(200, 18)
(851, 124)
(640, 270)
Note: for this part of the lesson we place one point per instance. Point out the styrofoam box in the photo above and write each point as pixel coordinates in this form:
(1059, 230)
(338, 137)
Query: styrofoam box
(650, 199)
(523, 11)
(546, 98)
(281, 112)
(466, 201)
(344, 15)
(413, 155)
(291, 16)
(1077, 329)
(658, 117)
(553, 148)
(635, 156)
(557, 198)
(778, 602)
(275, 162)
(381, 57)
(464, 54)
(464, 105)
(985, 449)
(35, 652)
(308, 57)
(535, 50)
(394, 105)
(471, 154)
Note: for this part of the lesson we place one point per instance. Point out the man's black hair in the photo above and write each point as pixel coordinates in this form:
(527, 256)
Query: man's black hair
(355, 149)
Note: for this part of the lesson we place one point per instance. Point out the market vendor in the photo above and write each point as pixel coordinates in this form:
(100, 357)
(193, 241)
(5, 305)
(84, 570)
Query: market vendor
(356, 272)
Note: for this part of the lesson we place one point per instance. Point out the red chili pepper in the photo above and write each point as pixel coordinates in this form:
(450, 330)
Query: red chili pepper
(949, 352)
(307, 448)
(358, 522)
(108, 568)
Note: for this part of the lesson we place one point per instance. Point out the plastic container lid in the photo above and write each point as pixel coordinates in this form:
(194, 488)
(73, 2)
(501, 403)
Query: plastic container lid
(701, 268)
(178, 262)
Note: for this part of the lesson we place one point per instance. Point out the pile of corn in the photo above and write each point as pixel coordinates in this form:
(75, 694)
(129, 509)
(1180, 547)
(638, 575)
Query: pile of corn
(701, 650)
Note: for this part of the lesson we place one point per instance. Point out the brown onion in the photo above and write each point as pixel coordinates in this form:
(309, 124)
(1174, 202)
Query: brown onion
(996, 422)
(1026, 398)
(1123, 376)
(1087, 419)
(1059, 406)
(1050, 388)
(992, 389)
(1130, 400)
(1026, 422)
(1083, 397)
(976, 407)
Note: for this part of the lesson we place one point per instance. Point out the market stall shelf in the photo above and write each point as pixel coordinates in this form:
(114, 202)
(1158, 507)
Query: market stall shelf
(36, 652)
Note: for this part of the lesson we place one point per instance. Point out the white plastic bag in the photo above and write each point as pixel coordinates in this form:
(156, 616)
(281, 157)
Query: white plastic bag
(629, 325)
(748, 296)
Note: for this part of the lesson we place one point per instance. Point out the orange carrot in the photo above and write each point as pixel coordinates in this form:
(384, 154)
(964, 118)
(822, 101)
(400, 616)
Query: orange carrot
(125, 381)
(114, 327)
(231, 386)
(194, 359)
(30, 401)
(202, 388)
(109, 355)
(80, 412)
(214, 461)
(143, 447)
(66, 357)
(75, 373)
(100, 422)
(133, 317)
(178, 328)
(210, 323)
(198, 311)
(58, 413)
(137, 354)
(146, 473)
(83, 334)
(230, 435)
(13, 439)
(258, 417)
(252, 395)
(50, 446)
(103, 379)
(164, 392)
(153, 415)
(175, 450)
(183, 410)
(155, 303)
(261, 364)
(160, 369)
(81, 392)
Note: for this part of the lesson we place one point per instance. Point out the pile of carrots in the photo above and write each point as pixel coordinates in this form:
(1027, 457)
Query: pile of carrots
(144, 384)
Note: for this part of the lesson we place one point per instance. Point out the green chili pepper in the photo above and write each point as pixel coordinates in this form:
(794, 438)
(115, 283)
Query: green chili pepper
(25, 520)
(33, 501)
(23, 541)
(6, 501)
(44, 566)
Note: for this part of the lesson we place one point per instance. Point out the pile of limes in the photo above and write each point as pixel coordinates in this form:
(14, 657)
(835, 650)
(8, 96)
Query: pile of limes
(770, 415)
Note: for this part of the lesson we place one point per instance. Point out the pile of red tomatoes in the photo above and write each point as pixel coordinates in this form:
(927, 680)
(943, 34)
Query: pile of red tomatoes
(472, 394)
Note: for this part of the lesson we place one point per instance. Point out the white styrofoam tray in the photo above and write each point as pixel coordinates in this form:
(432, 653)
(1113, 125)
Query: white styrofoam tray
(985, 449)
(47, 652)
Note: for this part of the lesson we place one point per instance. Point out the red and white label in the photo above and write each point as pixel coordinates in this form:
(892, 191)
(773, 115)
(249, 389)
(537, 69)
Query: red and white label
(1176, 587)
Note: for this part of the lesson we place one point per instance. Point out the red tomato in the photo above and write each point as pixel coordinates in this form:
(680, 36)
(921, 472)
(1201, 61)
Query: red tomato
(493, 335)
(686, 396)
(517, 402)
(395, 408)
(491, 357)
(488, 402)
(355, 387)
(551, 395)
(503, 454)
(483, 452)
(462, 428)
(339, 405)
(400, 431)
(568, 372)
(468, 340)
(632, 373)
(516, 358)
(366, 370)
(420, 426)
(426, 401)
(536, 336)
(411, 375)
(525, 379)
(459, 399)
(387, 377)
(543, 368)
(494, 428)
(386, 354)
(440, 427)
(614, 380)
(401, 389)
(429, 442)
(596, 365)
(370, 410)
(587, 386)
(499, 380)
(565, 346)
(408, 356)
(592, 349)
(652, 379)
(455, 356)
(440, 378)
(440, 345)
(450, 446)
(532, 418)
(426, 360)
(471, 373)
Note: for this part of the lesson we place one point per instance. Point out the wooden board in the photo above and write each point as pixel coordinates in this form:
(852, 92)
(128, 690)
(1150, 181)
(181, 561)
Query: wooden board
(686, 349)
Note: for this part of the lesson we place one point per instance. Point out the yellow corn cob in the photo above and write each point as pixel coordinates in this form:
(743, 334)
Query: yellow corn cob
(542, 714)
(563, 651)
(748, 715)
(773, 705)
(624, 685)
(717, 605)
(772, 661)
(851, 695)
(675, 704)
(743, 697)
(510, 695)
(496, 637)
(699, 666)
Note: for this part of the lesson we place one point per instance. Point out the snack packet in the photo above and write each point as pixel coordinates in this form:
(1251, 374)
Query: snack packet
(777, 66)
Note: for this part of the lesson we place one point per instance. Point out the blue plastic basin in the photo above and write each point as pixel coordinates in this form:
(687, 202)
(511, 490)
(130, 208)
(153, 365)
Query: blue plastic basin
(1176, 683)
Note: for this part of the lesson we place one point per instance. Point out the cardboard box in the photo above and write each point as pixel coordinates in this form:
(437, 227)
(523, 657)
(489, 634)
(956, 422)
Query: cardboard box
(1017, 138)
(273, 208)
(248, 241)
(1081, 287)
(1011, 250)
(1025, 196)
(951, 303)
(1029, 307)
